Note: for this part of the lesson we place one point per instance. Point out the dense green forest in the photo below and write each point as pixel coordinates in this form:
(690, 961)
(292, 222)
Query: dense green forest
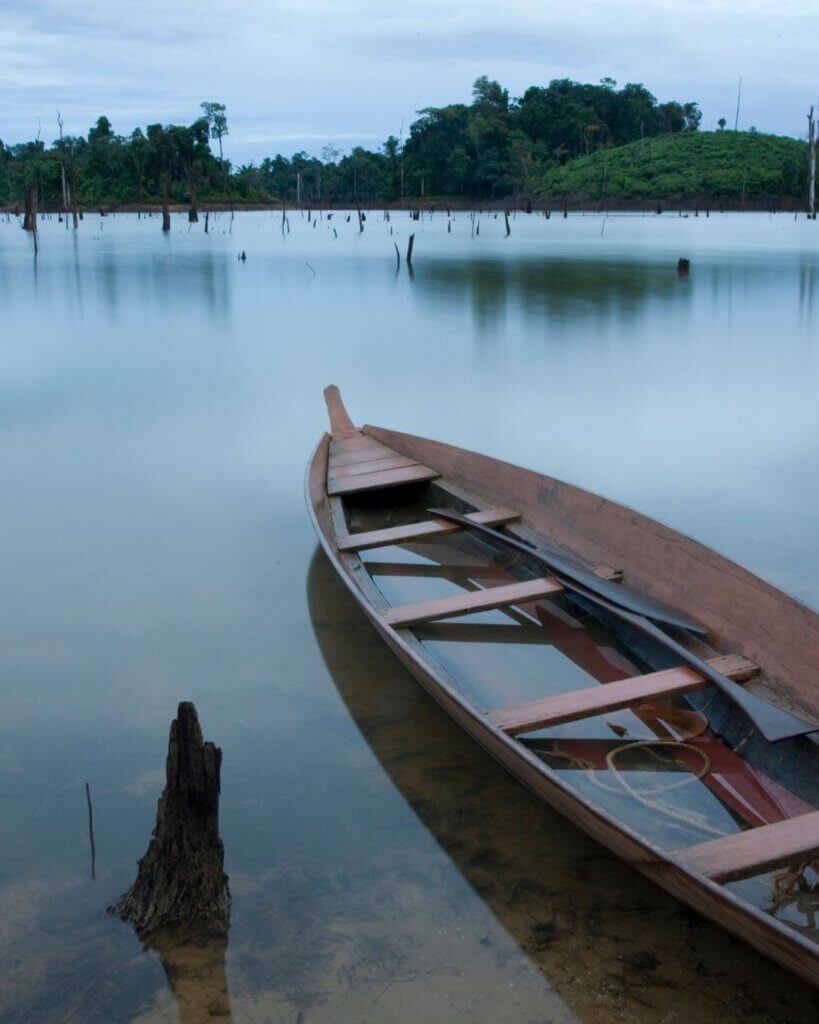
(492, 147)
(565, 142)
(729, 166)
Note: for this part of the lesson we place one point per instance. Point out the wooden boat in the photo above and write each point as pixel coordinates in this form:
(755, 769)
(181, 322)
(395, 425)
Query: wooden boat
(745, 806)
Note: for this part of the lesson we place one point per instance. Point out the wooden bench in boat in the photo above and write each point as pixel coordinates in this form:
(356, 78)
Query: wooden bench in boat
(478, 600)
(430, 528)
(360, 467)
(759, 849)
(416, 473)
(340, 457)
(359, 463)
(472, 601)
(605, 697)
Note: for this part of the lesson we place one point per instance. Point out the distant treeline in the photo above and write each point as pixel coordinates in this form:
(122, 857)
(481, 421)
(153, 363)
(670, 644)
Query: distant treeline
(489, 148)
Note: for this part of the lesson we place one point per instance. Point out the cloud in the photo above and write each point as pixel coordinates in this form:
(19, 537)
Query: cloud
(294, 75)
(273, 137)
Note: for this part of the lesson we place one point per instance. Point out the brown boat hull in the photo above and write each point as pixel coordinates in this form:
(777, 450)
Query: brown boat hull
(572, 518)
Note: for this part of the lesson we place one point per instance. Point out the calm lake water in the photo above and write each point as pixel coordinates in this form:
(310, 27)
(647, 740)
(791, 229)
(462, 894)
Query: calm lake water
(158, 403)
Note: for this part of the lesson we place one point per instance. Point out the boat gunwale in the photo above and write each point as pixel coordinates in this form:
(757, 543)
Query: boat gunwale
(778, 941)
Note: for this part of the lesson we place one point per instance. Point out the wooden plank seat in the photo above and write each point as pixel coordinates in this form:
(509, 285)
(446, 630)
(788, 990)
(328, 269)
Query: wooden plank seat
(357, 462)
(430, 528)
(415, 473)
(367, 453)
(477, 601)
(472, 601)
(759, 849)
(370, 465)
(597, 700)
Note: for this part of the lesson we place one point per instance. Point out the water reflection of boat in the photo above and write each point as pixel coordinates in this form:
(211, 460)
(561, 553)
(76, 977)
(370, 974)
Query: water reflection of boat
(369, 490)
(596, 931)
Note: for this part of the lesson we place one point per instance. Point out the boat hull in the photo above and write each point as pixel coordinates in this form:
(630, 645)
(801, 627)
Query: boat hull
(480, 475)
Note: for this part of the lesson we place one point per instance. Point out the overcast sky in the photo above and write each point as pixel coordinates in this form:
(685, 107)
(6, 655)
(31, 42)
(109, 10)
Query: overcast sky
(296, 75)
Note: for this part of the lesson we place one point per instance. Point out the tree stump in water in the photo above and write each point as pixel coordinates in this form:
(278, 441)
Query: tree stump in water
(180, 880)
(30, 215)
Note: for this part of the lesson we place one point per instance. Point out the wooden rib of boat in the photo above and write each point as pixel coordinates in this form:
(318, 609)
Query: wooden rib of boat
(367, 490)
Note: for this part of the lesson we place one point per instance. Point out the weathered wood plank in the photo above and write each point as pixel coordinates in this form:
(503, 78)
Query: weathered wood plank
(375, 465)
(597, 700)
(473, 601)
(757, 850)
(387, 478)
(421, 531)
(365, 453)
(351, 444)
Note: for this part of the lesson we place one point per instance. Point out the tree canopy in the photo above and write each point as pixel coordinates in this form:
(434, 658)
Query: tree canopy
(490, 147)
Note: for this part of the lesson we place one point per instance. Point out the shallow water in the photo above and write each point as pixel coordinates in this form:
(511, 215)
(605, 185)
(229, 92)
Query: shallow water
(159, 400)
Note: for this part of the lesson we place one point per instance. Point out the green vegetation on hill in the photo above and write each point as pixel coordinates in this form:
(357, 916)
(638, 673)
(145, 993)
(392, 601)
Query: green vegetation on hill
(717, 166)
(491, 147)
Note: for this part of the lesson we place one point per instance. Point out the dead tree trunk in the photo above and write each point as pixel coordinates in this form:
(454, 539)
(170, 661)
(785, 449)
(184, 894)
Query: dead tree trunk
(75, 218)
(166, 207)
(180, 880)
(193, 210)
(30, 214)
(811, 165)
(64, 186)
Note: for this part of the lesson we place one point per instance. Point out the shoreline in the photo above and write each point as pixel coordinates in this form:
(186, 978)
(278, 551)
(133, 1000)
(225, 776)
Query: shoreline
(552, 207)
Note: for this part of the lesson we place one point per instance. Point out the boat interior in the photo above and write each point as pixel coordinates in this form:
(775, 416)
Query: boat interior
(612, 712)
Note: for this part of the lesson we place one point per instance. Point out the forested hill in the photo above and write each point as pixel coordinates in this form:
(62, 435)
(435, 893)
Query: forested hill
(492, 147)
(566, 142)
(718, 167)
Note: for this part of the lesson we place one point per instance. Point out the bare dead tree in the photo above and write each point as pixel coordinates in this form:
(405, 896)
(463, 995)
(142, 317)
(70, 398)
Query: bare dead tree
(401, 149)
(811, 165)
(72, 167)
(30, 212)
(166, 201)
(62, 170)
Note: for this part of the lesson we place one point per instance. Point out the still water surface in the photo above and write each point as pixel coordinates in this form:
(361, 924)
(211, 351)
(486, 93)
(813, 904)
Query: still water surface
(158, 402)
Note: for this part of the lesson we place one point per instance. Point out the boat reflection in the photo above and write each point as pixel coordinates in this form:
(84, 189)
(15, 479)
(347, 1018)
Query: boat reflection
(603, 937)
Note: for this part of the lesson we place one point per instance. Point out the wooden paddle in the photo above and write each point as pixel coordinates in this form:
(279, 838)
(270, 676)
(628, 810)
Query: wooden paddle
(774, 723)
